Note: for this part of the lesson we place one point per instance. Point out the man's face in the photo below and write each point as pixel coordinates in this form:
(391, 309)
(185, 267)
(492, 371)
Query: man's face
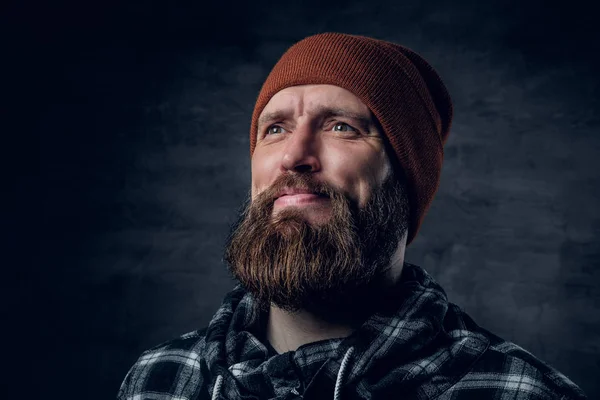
(326, 213)
(324, 131)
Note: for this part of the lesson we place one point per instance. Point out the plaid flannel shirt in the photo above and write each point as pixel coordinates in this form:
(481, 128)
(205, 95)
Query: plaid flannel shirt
(426, 349)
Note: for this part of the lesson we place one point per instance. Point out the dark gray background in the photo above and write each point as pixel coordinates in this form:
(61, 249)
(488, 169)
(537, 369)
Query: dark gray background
(142, 112)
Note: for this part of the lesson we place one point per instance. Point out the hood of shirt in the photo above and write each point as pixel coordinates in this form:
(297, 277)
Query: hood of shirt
(417, 348)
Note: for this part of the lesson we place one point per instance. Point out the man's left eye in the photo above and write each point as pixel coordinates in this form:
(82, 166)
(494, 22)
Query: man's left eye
(343, 127)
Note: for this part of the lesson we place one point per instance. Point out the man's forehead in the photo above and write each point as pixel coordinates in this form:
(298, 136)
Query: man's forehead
(312, 100)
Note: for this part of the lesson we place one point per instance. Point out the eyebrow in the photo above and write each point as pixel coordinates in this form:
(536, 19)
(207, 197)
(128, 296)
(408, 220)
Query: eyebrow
(273, 116)
(323, 112)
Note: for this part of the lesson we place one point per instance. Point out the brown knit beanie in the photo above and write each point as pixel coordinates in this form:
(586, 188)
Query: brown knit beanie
(401, 89)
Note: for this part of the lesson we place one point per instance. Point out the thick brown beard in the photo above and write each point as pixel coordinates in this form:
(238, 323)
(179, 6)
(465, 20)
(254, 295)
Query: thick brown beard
(337, 270)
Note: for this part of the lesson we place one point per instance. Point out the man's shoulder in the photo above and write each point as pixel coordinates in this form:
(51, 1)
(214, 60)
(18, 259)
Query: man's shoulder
(522, 371)
(173, 368)
(188, 341)
(506, 370)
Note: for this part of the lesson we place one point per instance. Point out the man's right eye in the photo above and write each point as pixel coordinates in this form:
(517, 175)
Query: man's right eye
(274, 130)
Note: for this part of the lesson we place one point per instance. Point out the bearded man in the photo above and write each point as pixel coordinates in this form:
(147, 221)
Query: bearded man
(346, 142)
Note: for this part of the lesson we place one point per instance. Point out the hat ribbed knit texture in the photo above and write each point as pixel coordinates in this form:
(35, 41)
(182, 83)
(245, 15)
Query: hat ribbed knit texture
(401, 89)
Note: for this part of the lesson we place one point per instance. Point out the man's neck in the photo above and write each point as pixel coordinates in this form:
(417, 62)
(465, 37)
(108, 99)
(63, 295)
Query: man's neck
(286, 331)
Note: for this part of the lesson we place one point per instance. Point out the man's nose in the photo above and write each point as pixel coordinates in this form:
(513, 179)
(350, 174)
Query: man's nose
(301, 151)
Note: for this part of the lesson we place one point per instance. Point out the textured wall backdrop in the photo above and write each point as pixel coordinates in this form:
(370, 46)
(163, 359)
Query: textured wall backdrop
(143, 113)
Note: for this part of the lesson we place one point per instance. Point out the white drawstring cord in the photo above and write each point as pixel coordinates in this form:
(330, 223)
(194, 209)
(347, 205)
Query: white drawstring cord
(217, 387)
(340, 375)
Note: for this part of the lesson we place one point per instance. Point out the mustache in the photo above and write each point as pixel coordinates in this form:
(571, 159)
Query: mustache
(300, 181)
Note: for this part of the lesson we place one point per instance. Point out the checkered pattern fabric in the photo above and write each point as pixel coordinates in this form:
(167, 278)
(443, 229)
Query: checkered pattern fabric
(426, 348)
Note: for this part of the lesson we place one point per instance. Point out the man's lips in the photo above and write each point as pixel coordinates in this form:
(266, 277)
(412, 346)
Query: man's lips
(298, 197)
